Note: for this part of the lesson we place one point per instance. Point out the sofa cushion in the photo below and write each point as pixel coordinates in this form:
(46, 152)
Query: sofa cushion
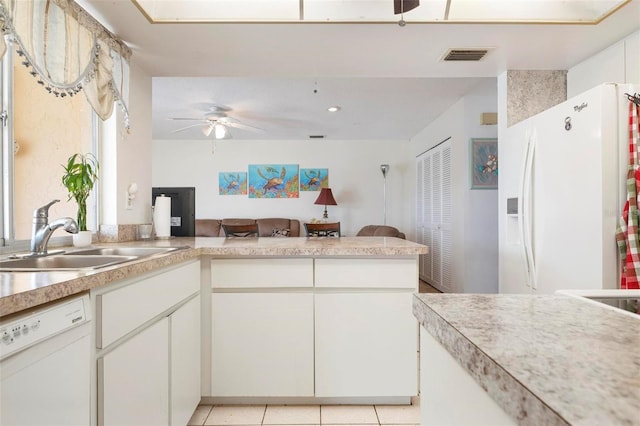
(380, 231)
(209, 228)
(278, 233)
(213, 228)
(266, 226)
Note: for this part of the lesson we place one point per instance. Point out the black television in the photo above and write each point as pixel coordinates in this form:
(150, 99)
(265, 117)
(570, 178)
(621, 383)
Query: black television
(183, 209)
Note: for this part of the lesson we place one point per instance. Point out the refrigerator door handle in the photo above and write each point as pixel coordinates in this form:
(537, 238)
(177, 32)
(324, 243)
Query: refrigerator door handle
(521, 206)
(525, 199)
(528, 210)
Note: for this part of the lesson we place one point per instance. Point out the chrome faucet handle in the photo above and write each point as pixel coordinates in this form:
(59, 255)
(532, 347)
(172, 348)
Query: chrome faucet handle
(43, 212)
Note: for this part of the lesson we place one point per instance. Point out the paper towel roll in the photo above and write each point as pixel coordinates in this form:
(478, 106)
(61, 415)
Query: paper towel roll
(162, 216)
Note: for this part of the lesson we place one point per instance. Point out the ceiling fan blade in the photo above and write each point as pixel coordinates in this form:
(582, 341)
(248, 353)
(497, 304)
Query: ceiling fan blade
(188, 127)
(402, 6)
(184, 118)
(244, 127)
(234, 123)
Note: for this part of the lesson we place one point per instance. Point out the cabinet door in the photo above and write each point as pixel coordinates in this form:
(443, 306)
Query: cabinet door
(185, 361)
(133, 380)
(262, 344)
(366, 345)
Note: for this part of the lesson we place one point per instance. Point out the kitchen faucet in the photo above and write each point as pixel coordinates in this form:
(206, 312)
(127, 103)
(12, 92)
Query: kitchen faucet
(42, 230)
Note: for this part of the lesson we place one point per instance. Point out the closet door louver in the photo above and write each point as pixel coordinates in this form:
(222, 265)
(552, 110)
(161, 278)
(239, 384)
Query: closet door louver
(434, 215)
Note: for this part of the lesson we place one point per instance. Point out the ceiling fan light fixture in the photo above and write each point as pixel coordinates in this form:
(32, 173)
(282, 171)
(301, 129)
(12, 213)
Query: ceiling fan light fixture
(220, 131)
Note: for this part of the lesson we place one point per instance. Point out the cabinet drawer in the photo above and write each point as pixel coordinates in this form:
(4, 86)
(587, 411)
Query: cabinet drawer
(369, 273)
(122, 310)
(261, 273)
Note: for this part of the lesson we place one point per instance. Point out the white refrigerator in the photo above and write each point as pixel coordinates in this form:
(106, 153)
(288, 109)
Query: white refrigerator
(561, 192)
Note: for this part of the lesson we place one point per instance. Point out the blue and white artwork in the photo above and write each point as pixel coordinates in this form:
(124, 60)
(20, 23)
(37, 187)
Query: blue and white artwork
(314, 179)
(273, 181)
(232, 183)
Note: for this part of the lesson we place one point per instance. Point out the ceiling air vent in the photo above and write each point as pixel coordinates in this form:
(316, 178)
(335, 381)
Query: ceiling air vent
(465, 54)
(316, 136)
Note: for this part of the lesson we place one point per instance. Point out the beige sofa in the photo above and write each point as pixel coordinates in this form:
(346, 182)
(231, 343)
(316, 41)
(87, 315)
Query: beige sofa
(267, 227)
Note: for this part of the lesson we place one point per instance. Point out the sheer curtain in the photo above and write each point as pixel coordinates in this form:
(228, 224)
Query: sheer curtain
(68, 51)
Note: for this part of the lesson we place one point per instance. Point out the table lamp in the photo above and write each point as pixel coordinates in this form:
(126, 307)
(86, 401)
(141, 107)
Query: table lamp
(326, 198)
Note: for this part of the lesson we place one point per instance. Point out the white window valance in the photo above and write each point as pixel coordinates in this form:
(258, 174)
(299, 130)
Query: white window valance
(68, 51)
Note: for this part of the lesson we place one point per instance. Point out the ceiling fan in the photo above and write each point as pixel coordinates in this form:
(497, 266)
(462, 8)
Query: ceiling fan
(216, 121)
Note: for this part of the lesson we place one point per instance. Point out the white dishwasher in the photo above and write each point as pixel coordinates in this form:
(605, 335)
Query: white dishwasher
(45, 365)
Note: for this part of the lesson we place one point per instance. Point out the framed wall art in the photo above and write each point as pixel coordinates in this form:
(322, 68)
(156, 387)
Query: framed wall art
(232, 183)
(483, 154)
(314, 179)
(273, 181)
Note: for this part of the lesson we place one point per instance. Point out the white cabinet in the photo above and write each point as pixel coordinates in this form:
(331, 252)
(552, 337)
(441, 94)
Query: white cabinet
(449, 396)
(262, 327)
(314, 329)
(336, 327)
(365, 333)
(434, 215)
(366, 345)
(262, 344)
(185, 361)
(134, 387)
(148, 348)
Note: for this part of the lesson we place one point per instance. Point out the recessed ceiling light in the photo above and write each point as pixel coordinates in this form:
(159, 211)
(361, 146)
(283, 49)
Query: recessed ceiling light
(333, 109)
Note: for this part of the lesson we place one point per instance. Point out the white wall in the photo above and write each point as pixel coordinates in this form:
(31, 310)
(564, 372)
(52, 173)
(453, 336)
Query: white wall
(475, 234)
(126, 156)
(354, 176)
(618, 63)
(481, 206)
(134, 151)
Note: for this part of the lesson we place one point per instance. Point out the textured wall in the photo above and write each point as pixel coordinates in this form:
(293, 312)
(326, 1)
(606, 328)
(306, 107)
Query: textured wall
(48, 130)
(531, 92)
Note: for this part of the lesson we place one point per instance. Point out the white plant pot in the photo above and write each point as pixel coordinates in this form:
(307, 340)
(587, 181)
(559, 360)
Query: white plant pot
(82, 239)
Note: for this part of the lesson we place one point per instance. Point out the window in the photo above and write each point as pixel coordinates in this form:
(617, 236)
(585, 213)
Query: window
(40, 134)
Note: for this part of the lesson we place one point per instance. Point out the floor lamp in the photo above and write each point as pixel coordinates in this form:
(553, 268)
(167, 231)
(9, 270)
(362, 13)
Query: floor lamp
(384, 168)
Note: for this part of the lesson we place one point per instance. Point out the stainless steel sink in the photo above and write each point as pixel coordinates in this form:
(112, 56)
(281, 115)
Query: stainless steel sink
(64, 262)
(91, 258)
(123, 251)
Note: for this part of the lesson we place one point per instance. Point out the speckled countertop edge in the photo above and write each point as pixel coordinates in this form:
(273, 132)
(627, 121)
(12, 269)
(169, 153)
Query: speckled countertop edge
(45, 287)
(25, 290)
(578, 365)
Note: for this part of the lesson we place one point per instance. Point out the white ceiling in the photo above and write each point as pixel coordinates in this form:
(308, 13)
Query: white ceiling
(389, 80)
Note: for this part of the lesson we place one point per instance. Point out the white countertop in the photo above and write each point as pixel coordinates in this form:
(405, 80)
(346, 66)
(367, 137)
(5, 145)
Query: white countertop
(23, 290)
(543, 359)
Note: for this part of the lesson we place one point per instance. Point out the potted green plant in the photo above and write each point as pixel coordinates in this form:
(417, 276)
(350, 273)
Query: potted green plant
(80, 175)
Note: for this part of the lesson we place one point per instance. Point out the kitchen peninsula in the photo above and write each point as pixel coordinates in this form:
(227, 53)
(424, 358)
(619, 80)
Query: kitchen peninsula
(278, 320)
(527, 359)
(20, 291)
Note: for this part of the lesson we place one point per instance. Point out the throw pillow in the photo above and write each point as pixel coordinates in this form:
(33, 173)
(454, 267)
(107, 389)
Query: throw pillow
(276, 232)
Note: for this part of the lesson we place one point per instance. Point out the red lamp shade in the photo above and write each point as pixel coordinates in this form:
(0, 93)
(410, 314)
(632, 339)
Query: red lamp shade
(326, 198)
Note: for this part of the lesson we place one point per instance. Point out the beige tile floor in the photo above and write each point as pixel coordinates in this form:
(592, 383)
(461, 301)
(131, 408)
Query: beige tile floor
(341, 415)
